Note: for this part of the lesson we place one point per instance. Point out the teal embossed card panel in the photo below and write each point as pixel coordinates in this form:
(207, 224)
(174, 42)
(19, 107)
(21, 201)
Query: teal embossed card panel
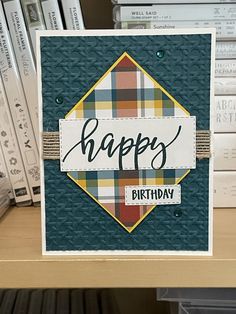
(126, 154)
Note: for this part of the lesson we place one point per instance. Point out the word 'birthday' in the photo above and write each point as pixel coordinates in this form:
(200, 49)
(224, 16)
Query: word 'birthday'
(92, 146)
(153, 194)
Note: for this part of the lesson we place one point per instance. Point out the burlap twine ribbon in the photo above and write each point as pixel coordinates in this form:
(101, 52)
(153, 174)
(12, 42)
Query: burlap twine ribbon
(51, 145)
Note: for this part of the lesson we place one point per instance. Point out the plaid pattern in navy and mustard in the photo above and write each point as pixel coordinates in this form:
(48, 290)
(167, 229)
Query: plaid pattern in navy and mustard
(126, 90)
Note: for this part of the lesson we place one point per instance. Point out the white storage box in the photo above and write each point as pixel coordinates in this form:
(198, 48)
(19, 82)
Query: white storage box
(225, 151)
(201, 296)
(224, 189)
(190, 309)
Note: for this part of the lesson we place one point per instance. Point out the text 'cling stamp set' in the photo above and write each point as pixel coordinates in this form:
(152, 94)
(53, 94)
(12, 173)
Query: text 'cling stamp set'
(126, 154)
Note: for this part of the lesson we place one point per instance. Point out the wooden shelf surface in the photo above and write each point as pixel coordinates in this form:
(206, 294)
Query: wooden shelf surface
(22, 265)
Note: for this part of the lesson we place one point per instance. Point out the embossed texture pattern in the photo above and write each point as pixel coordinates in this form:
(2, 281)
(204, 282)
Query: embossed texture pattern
(70, 66)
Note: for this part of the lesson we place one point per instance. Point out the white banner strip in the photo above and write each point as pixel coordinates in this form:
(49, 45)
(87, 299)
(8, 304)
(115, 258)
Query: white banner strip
(152, 195)
(128, 144)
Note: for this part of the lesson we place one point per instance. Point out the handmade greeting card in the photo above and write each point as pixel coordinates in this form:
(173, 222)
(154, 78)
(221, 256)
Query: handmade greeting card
(126, 150)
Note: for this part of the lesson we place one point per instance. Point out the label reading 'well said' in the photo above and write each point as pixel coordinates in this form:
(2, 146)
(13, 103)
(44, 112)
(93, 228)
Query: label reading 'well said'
(128, 144)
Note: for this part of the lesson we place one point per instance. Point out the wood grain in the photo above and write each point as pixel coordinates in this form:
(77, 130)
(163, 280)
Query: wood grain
(23, 266)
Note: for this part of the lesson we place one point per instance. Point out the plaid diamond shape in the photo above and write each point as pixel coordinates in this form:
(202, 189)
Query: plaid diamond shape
(125, 90)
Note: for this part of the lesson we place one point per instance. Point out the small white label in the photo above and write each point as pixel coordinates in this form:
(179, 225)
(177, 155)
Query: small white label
(225, 113)
(225, 151)
(128, 144)
(152, 195)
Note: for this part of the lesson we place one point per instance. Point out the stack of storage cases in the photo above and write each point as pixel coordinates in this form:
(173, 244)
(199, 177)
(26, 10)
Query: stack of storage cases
(171, 14)
(225, 126)
(19, 131)
(220, 14)
(199, 301)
